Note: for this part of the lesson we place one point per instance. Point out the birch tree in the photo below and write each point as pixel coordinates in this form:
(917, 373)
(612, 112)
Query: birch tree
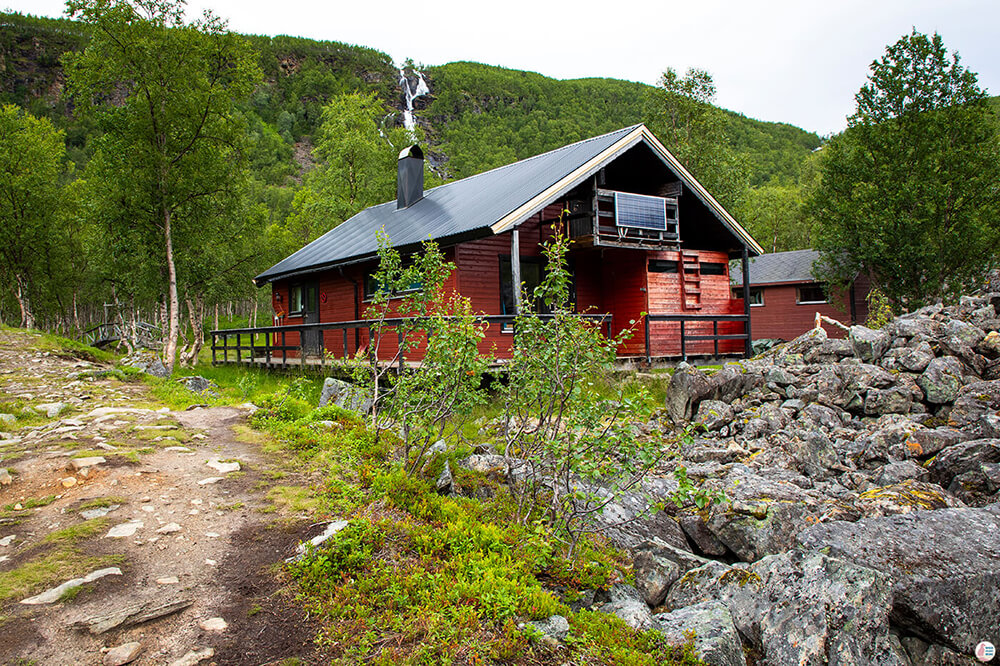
(165, 92)
(31, 166)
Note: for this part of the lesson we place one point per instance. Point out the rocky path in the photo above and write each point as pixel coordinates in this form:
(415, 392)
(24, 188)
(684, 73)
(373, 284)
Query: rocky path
(159, 521)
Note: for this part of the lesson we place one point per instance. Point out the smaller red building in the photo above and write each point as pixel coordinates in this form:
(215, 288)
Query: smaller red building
(785, 296)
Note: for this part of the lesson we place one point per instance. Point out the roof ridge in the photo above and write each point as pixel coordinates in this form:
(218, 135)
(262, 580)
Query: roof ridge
(623, 130)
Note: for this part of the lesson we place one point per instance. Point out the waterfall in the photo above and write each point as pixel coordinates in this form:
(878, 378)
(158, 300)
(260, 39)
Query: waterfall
(410, 93)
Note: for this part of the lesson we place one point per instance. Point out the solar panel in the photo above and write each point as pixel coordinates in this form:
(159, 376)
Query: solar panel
(640, 211)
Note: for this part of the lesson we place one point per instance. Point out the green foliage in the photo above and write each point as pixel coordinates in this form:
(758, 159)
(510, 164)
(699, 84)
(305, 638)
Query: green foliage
(429, 402)
(168, 179)
(680, 112)
(576, 450)
(880, 311)
(448, 578)
(356, 151)
(910, 191)
(37, 239)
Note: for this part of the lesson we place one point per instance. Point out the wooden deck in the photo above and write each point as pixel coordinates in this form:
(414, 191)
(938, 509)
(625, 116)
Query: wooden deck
(326, 345)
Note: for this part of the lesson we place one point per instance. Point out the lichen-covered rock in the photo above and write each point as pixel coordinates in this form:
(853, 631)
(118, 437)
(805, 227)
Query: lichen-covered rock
(944, 566)
(869, 345)
(626, 602)
(961, 458)
(905, 497)
(815, 609)
(686, 389)
(926, 442)
(764, 515)
(200, 385)
(799, 608)
(975, 401)
(146, 361)
(897, 471)
(654, 575)
(888, 401)
(714, 414)
(554, 628)
(344, 395)
(941, 380)
(629, 519)
(715, 638)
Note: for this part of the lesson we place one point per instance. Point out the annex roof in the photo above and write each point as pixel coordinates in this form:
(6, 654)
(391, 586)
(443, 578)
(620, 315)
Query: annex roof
(488, 203)
(779, 267)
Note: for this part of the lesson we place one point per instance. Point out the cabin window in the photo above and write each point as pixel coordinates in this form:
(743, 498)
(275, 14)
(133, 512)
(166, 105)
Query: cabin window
(756, 295)
(301, 299)
(810, 294)
(531, 277)
(372, 286)
(712, 268)
(662, 266)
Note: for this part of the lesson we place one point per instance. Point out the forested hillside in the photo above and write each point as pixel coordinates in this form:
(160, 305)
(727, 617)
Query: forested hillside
(477, 116)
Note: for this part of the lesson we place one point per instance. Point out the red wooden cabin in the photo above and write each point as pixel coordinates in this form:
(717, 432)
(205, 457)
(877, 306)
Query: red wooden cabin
(647, 238)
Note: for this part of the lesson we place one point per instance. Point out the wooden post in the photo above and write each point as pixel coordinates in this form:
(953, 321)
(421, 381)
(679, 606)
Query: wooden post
(748, 343)
(268, 338)
(649, 358)
(345, 341)
(715, 335)
(239, 343)
(515, 268)
(684, 356)
(213, 347)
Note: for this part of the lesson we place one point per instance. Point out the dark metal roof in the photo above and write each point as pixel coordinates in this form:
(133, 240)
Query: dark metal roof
(793, 266)
(457, 210)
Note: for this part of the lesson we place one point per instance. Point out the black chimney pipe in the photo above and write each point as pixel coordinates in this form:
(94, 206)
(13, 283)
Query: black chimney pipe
(410, 177)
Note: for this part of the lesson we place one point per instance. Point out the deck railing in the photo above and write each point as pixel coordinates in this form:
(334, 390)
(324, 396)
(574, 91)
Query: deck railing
(701, 320)
(269, 345)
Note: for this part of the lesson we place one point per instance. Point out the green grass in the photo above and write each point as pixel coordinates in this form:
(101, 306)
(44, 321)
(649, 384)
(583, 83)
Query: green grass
(50, 570)
(298, 499)
(100, 502)
(68, 348)
(78, 532)
(31, 503)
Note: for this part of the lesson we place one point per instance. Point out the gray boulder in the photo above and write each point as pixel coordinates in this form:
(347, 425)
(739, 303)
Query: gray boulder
(686, 389)
(146, 361)
(928, 441)
(653, 576)
(941, 380)
(554, 629)
(888, 401)
(764, 515)
(815, 609)
(944, 566)
(715, 637)
(961, 458)
(200, 385)
(799, 608)
(344, 395)
(897, 471)
(714, 414)
(975, 401)
(869, 345)
(626, 602)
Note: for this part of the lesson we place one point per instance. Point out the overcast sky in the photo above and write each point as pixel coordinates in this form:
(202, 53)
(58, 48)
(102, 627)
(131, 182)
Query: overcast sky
(795, 61)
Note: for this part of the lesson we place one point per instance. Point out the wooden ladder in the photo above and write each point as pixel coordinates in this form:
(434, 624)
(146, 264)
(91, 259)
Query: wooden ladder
(690, 280)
